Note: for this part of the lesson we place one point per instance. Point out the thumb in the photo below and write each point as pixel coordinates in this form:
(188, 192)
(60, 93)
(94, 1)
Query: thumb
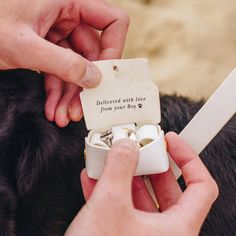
(119, 168)
(61, 62)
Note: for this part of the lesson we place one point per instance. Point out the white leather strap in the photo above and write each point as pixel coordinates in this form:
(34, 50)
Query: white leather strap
(211, 118)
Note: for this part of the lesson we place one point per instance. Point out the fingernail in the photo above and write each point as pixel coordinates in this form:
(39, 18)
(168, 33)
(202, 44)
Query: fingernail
(69, 110)
(62, 117)
(66, 121)
(49, 115)
(126, 143)
(75, 113)
(92, 76)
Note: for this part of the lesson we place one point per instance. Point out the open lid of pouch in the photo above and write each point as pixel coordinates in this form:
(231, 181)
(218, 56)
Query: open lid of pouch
(126, 94)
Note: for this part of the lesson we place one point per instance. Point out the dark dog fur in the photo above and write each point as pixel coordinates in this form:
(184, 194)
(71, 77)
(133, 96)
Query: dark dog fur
(40, 164)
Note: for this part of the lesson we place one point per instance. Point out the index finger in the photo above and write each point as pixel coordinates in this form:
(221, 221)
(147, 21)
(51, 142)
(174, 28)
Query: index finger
(112, 21)
(201, 192)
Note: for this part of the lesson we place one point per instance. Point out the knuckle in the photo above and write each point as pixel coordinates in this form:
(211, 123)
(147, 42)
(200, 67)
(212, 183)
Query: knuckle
(124, 17)
(127, 158)
(111, 195)
(51, 90)
(213, 190)
(22, 43)
(120, 205)
(123, 152)
(23, 39)
(115, 152)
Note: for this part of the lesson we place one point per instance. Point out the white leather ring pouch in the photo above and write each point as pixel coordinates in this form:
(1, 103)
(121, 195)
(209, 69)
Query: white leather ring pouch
(126, 96)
